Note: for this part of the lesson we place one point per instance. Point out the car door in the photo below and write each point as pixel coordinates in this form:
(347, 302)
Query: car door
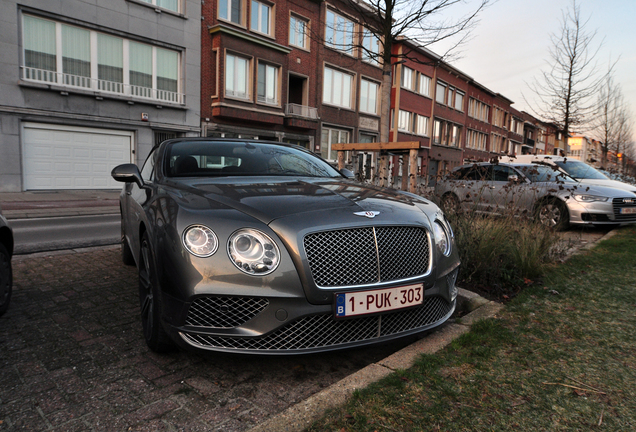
(135, 199)
(471, 185)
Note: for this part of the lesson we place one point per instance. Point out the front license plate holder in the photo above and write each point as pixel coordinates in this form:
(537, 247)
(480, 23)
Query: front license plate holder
(381, 300)
(628, 210)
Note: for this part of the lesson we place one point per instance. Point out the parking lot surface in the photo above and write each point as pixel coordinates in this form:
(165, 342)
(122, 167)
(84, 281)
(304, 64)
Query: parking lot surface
(73, 358)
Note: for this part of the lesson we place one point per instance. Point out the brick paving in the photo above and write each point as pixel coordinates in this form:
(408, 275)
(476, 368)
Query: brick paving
(72, 358)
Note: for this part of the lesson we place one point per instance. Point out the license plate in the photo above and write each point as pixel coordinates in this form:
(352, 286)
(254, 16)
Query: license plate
(368, 302)
(628, 210)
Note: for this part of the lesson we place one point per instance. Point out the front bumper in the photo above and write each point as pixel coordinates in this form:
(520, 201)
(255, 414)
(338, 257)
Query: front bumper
(599, 213)
(293, 326)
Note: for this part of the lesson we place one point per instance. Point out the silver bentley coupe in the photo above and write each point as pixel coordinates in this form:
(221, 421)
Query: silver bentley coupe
(262, 247)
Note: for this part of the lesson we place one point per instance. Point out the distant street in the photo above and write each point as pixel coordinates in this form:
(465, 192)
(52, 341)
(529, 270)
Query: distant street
(71, 232)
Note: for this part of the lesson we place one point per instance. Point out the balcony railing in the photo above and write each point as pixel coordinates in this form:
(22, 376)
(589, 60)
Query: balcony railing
(100, 86)
(301, 111)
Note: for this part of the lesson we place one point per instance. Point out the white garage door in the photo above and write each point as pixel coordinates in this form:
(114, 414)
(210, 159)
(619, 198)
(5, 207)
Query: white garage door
(66, 157)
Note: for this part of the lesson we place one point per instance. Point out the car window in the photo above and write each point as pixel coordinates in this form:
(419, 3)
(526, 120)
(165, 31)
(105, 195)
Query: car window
(502, 172)
(220, 158)
(581, 170)
(149, 165)
(475, 172)
(544, 173)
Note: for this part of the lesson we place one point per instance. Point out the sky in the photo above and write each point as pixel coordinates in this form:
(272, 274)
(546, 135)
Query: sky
(510, 44)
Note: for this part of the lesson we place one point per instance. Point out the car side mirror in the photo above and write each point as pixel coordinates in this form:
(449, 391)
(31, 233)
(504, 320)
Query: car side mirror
(127, 173)
(347, 173)
(513, 178)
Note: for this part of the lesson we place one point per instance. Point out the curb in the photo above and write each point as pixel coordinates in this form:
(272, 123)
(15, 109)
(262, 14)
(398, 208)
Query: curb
(302, 415)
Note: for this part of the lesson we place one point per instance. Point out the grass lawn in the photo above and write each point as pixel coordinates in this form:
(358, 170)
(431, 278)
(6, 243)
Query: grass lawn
(560, 357)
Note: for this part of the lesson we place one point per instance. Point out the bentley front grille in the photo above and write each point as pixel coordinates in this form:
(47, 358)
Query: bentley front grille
(624, 209)
(324, 331)
(361, 256)
(224, 312)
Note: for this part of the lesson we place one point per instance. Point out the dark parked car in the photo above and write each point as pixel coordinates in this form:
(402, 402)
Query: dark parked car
(6, 276)
(262, 247)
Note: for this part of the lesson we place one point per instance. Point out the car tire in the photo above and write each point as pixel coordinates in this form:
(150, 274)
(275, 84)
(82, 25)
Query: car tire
(6, 279)
(553, 213)
(150, 301)
(450, 204)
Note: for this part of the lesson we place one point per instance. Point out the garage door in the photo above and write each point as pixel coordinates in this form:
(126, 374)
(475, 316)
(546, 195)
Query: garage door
(59, 157)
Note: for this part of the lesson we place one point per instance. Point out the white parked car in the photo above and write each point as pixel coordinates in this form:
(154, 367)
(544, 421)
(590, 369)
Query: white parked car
(581, 171)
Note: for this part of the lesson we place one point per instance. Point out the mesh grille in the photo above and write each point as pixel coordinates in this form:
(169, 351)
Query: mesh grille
(618, 204)
(224, 312)
(350, 257)
(322, 331)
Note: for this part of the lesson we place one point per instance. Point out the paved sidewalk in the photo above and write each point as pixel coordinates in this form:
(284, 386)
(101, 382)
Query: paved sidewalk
(25, 205)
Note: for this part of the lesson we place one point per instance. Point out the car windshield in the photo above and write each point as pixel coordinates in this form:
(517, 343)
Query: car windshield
(581, 170)
(236, 158)
(544, 174)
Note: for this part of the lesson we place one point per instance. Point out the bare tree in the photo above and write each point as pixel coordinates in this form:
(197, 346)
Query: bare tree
(387, 22)
(565, 92)
(624, 138)
(609, 120)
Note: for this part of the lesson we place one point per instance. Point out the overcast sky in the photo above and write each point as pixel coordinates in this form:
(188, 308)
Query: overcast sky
(510, 44)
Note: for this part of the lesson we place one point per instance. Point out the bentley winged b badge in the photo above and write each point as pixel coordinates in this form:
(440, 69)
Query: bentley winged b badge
(369, 214)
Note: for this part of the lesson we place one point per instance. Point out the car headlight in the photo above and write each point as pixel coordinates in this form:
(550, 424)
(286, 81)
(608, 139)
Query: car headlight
(200, 241)
(442, 238)
(589, 198)
(253, 252)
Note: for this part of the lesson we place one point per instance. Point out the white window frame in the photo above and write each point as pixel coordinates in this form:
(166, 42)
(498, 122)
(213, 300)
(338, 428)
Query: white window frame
(269, 68)
(333, 30)
(228, 4)
(327, 153)
(93, 83)
(337, 95)
(405, 121)
(262, 7)
(371, 44)
(421, 125)
(424, 85)
(155, 4)
(293, 30)
(459, 94)
(236, 93)
(368, 87)
(440, 92)
(408, 81)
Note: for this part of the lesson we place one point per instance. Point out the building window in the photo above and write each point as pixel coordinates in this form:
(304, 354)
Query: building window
(440, 92)
(476, 140)
(371, 48)
(231, 10)
(425, 85)
(260, 18)
(369, 96)
(408, 76)
(267, 84)
(339, 32)
(404, 121)
(449, 95)
(172, 5)
(446, 133)
(236, 76)
(329, 137)
(97, 61)
(478, 110)
(337, 88)
(459, 100)
(298, 32)
(421, 125)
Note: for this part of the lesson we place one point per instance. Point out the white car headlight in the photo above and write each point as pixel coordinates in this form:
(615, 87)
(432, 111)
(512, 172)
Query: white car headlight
(589, 198)
(200, 241)
(253, 252)
(442, 238)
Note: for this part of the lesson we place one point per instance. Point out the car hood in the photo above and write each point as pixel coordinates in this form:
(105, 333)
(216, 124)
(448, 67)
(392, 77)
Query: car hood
(609, 183)
(271, 198)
